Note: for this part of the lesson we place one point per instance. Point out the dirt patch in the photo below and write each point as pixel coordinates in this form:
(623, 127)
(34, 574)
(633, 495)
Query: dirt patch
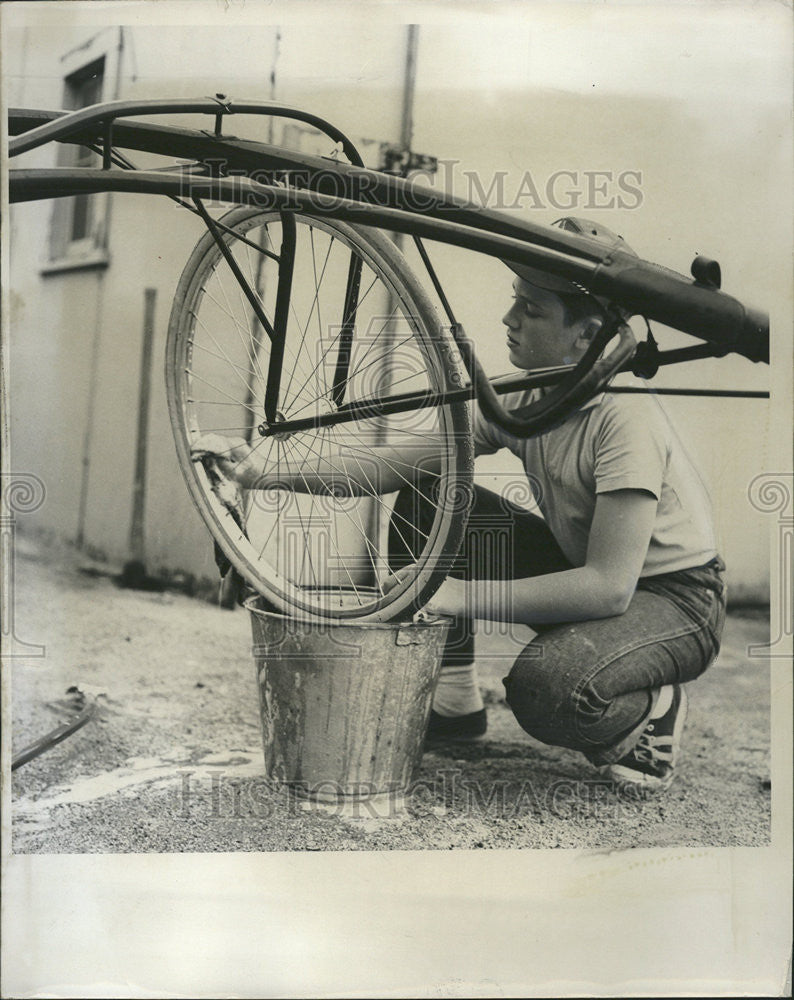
(173, 759)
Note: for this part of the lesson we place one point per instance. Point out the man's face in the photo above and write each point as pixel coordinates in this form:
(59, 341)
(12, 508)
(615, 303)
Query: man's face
(538, 333)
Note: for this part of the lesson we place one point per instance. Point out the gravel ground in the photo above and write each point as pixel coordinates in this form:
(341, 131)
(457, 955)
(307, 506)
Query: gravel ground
(173, 759)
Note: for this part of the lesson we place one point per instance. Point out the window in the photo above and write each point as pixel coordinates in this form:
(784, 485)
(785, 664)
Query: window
(77, 237)
(82, 90)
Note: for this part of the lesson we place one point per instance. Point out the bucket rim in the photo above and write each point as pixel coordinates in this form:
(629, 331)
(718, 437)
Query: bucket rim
(433, 621)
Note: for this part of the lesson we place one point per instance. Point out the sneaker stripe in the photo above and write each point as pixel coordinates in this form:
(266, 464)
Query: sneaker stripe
(650, 764)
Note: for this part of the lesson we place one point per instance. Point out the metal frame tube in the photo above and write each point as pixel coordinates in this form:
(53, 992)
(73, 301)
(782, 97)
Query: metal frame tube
(64, 125)
(652, 291)
(281, 317)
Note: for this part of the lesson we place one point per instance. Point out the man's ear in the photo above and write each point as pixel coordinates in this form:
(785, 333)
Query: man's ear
(586, 334)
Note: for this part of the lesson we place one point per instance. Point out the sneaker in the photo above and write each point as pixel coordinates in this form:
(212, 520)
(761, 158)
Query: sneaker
(456, 727)
(650, 764)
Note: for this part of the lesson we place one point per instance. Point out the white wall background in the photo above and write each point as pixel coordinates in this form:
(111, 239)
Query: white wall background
(695, 99)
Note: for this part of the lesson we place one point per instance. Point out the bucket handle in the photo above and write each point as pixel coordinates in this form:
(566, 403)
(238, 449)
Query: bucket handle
(408, 635)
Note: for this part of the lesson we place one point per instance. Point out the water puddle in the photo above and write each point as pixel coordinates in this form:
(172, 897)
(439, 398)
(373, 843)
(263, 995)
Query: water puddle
(137, 772)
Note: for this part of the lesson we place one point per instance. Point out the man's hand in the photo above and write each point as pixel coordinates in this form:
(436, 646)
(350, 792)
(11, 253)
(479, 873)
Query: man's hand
(397, 578)
(251, 467)
(233, 458)
(449, 599)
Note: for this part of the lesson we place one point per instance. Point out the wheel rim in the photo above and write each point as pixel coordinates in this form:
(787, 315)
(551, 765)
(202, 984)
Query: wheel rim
(319, 556)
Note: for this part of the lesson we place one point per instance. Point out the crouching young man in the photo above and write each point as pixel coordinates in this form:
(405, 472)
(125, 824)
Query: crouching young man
(620, 579)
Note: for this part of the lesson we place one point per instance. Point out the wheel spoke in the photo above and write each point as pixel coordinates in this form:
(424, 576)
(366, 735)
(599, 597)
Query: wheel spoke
(217, 388)
(239, 370)
(317, 286)
(325, 353)
(256, 283)
(241, 329)
(340, 557)
(294, 413)
(360, 526)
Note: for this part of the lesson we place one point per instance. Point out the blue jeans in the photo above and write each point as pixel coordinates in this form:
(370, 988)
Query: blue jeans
(587, 685)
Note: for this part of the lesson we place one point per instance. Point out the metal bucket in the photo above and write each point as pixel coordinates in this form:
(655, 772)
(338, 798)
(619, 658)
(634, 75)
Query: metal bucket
(344, 707)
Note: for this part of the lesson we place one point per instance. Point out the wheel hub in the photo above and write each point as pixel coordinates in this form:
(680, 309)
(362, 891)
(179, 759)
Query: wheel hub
(264, 428)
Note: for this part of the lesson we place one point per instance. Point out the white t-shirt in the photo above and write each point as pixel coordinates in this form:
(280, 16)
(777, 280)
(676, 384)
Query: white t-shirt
(614, 442)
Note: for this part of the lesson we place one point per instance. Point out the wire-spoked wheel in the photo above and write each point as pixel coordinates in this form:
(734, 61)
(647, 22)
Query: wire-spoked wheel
(318, 553)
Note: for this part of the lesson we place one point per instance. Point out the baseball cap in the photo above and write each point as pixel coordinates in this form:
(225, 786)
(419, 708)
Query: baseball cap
(594, 231)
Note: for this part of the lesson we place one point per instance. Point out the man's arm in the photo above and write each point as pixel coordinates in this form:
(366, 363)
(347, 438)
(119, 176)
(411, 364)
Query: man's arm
(603, 587)
(351, 467)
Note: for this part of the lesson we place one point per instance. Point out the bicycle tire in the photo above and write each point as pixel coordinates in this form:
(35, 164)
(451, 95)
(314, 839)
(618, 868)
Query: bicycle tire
(206, 332)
